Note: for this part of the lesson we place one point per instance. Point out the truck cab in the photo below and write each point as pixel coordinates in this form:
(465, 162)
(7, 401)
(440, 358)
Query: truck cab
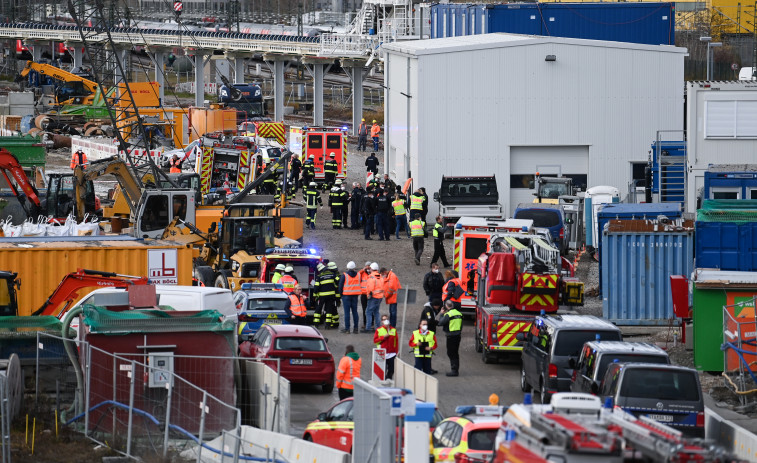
(157, 208)
(549, 189)
(468, 197)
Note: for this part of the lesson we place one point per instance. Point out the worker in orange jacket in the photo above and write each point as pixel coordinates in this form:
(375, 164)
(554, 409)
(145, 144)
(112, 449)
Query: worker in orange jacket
(453, 289)
(375, 293)
(175, 164)
(375, 130)
(348, 370)
(391, 287)
(78, 158)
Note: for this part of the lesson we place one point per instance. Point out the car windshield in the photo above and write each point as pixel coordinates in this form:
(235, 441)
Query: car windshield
(263, 303)
(569, 342)
(625, 358)
(544, 218)
(553, 190)
(301, 344)
(660, 384)
(482, 439)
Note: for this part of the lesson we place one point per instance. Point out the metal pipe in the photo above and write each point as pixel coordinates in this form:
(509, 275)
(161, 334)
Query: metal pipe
(131, 409)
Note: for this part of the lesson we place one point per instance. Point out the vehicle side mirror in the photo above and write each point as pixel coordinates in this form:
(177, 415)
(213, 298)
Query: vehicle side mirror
(520, 336)
(436, 196)
(531, 184)
(594, 387)
(569, 221)
(572, 363)
(322, 417)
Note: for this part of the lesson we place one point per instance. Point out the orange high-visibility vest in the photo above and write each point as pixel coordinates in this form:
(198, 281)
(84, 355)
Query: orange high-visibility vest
(375, 129)
(297, 306)
(77, 159)
(352, 285)
(346, 373)
(288, 282)
(457, 282)
(364, 277)
(391, 286)
(376, 286)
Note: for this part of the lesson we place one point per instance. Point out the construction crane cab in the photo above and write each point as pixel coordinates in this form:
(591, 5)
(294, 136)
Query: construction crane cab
(60, 197)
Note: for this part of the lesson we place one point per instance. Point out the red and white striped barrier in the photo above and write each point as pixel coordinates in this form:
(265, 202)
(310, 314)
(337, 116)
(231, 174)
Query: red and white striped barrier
(379, 365)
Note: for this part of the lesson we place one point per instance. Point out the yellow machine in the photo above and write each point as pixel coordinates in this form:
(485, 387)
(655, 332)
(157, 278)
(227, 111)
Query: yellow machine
(549, 189)
(129, 186)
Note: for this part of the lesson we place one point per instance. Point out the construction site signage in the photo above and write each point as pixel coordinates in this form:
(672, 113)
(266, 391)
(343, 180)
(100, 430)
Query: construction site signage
(163, 266)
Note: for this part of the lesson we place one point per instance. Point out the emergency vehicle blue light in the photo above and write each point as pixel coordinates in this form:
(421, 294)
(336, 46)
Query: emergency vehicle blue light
(465, 410)
(345, 128)
(458, 226)
(608, 402)
(524, 229)
(528, 399)
(596, 337)
(246, 285)
(312, 251)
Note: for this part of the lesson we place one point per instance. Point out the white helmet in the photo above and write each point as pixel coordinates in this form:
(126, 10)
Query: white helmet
(374, 266)
(350, 265)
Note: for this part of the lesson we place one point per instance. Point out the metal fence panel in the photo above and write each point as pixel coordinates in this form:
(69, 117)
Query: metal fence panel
(374, 437)
(425, 387)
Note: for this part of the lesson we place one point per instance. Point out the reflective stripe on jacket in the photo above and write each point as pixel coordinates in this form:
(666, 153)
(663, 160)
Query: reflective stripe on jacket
(446, 291)
(418, 338)
(347, 372)
(352, 285)
(416, 229)
(297, 306)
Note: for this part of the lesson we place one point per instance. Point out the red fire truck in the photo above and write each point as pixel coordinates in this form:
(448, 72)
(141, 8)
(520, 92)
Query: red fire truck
(320, 142)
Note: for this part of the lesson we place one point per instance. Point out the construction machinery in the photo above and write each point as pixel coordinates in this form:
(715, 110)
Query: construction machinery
(74, 89)
(22, 188)
(549, 189)
(520, 276)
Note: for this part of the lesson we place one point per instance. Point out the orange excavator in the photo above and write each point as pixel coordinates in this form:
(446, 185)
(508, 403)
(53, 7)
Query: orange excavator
(9, 165)
(68, 291)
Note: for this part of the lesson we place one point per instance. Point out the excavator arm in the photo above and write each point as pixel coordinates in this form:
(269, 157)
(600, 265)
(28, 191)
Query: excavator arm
(9, 164)
(58, 74)
(113, 166)
(68, 290)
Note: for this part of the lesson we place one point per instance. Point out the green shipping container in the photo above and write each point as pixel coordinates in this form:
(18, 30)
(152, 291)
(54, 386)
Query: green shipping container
(713, 289)
(30, 151)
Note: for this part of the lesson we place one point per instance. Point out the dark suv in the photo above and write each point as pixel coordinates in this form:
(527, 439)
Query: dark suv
(669, 394)
(551, 343)
(595, 357)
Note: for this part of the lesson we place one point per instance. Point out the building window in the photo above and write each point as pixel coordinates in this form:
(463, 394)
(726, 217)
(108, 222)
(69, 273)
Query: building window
(730, 119)
(752, 193)
(725, 193)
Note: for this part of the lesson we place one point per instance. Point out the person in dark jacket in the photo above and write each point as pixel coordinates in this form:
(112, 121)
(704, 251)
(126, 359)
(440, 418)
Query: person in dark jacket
(451, 320)
(356, 198)
(433, 282)
(368, 208)
(430, 311)
(382, 216)
(371, 164)
(295, 167)
(425, 203)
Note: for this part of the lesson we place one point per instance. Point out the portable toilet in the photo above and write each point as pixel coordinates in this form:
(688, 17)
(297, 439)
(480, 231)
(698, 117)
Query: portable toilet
(596, 197)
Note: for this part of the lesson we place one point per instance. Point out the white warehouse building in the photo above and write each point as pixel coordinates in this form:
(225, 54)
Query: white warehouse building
(512, 105)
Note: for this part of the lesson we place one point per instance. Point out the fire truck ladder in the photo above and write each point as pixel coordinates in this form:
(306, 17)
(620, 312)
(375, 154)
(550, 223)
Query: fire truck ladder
(659, 442)
(108, 68)
(545, 253)
(575, 436)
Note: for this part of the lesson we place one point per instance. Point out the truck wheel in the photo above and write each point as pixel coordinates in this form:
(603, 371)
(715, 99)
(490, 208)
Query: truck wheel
(479, 345)
(204, 275)
(222, 282)
(524, 386)
(485, 357)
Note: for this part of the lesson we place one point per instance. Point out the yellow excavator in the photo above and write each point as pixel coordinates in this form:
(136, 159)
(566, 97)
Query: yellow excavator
(76, 90)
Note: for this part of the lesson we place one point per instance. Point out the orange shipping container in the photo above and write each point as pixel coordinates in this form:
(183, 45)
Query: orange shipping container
(41, 265)
(202, 121)
(146, 94)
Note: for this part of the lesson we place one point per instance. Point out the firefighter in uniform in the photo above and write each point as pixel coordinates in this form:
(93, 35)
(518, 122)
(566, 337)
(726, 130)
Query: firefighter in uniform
(345, 196)
(269, 184)
(439, 231)
(326, 284)
(335, 203)
(297, 307)
(308, 172)
(451, 320)
(330, 169)
(277, 273)
(288, 280)
(423, 343)
(312, 201)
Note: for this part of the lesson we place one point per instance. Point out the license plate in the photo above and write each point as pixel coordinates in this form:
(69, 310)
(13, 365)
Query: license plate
(274, 321)
(300, 361)
(662, 418)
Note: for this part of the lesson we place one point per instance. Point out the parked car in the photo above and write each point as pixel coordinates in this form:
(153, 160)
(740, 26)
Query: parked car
(304, 357)
(669, 394)
(333, 428)
(259, 304)
(549, 216)
(595, 357)
(472, 433)
(551, 343)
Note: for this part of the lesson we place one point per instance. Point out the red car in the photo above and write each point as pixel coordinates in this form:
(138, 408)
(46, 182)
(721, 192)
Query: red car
(304, 356)
(334, 427)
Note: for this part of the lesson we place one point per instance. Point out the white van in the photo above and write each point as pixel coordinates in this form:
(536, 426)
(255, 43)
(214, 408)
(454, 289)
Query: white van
(746, 74)
(183, 298)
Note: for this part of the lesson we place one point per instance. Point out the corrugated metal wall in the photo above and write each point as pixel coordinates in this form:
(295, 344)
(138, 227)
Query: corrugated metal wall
(644, 22)
(636, 269)
(42, 267)
(473, 105)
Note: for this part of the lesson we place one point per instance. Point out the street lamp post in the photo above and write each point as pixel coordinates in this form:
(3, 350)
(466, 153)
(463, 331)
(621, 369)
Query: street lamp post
(710, 53)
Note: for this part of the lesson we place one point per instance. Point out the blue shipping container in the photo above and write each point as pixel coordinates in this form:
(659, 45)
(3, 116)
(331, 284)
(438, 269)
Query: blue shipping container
(644, 22)
(637, 268)
(630, 212)
(727, 246)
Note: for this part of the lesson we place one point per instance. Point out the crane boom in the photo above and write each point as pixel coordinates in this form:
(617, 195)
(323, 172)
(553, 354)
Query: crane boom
(58, 74)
